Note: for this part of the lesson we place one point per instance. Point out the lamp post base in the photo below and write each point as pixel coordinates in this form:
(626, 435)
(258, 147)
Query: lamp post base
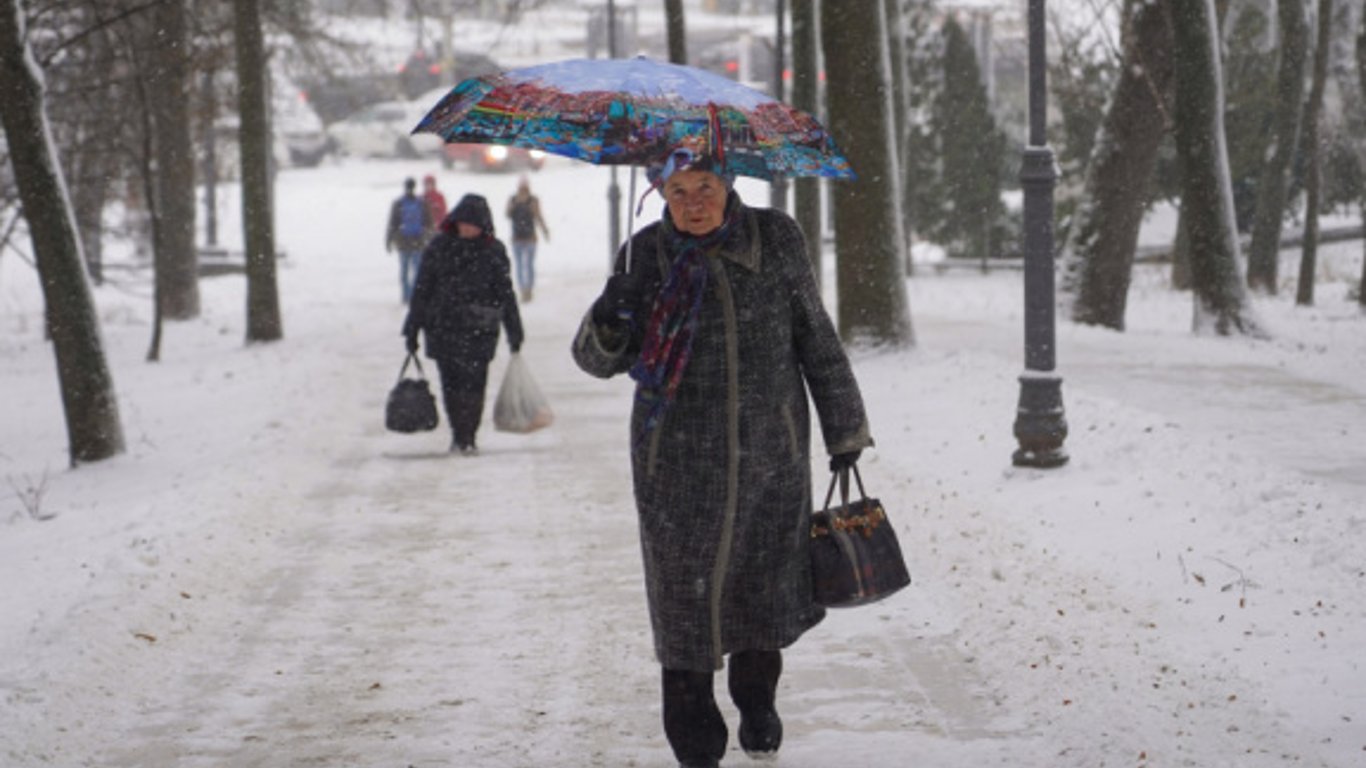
(1039, 424)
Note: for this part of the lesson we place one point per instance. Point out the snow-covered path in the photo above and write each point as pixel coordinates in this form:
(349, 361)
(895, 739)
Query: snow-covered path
(271, 579)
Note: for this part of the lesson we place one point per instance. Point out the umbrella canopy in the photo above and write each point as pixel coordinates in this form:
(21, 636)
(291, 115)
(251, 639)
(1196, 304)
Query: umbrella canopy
(632, 112)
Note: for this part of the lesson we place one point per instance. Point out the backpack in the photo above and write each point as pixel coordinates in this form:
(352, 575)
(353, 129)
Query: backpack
(410, 223)
(523, 220)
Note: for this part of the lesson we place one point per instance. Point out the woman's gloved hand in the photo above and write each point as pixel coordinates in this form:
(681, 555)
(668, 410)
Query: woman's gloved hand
(410, 341)
(618, 300)
(844, 461)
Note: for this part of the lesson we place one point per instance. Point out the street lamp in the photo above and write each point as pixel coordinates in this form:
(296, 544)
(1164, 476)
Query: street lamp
(1040, 426)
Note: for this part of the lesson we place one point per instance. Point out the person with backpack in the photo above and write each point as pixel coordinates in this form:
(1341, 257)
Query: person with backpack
(462, 297)
(435, 201)
(410, 221)
(524, 209)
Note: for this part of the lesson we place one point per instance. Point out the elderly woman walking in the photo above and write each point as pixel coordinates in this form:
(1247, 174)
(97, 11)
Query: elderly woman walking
(720, 323)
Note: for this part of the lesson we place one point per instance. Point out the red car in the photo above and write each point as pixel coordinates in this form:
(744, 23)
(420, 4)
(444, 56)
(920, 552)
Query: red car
(492, 157)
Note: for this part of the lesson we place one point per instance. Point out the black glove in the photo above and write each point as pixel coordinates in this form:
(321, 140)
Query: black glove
(844, 461)
(411, 343)
(618, 300)
(515, 346)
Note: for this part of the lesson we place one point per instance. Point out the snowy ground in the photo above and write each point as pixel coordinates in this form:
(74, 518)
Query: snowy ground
(268, 578)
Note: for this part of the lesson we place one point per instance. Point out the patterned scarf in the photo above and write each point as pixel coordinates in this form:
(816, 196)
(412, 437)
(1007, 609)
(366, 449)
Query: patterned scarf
(668, 340)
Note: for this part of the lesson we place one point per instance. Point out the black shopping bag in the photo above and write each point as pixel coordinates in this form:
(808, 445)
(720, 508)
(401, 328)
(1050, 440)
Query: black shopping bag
(411, 407)
(855, 556)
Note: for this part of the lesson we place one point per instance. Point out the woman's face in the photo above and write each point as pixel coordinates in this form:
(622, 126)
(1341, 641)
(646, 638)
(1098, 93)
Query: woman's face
(467, 230)
(696, 200)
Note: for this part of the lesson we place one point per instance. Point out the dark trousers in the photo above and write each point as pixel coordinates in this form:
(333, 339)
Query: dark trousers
(462, 390)
(693, 723)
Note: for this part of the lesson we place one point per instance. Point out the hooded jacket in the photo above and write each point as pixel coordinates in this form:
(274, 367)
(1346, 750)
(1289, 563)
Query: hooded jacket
(464, 290)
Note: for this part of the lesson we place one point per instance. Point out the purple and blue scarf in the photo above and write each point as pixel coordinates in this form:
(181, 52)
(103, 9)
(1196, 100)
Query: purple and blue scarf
(667, 347)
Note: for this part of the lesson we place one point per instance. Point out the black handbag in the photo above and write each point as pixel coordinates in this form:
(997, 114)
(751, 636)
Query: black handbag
(411, 407)
(855, 556)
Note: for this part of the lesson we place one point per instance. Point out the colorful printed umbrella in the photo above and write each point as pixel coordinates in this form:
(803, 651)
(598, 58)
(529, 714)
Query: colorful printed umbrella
(632, 112)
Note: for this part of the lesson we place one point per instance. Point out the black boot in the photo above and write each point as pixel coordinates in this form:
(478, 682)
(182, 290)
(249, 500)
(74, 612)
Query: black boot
(692, 721)
(753, 688)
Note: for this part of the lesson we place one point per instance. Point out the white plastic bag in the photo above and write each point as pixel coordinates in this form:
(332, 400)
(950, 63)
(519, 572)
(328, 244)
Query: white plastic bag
(520, 406)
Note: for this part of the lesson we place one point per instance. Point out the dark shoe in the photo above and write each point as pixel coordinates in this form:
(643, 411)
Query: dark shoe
(761, 735)
(753, 686)
(692, 722)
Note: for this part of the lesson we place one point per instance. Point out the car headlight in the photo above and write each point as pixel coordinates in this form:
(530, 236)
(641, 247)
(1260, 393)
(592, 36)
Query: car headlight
(537, 154)
(496, 153)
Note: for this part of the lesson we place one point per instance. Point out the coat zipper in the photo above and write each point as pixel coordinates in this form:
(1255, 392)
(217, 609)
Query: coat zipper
(723, 548)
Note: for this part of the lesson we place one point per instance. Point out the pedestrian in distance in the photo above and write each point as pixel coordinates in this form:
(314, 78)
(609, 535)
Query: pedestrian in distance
(436, 203)
(524, 209)
(462, 297)
(720, 323)
(410, 222)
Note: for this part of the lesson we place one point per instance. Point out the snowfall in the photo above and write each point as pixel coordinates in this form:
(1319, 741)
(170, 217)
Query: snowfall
(267, 577)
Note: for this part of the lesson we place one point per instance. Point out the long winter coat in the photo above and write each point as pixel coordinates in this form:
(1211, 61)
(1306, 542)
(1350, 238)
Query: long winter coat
(463, 292)
(723, 483)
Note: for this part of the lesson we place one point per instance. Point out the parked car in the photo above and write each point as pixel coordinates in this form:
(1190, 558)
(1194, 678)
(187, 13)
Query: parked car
(478, 157)
(493, 158)
(296, 124)
(297, 135)
(383, 130)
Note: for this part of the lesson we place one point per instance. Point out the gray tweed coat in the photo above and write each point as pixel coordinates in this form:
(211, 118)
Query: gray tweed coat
(723, 484)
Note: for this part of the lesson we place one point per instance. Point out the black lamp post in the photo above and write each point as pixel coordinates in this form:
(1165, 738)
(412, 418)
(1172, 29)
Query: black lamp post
(1040, 426)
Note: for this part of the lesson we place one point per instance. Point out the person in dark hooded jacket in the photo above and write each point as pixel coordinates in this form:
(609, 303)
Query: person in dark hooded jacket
(462, 295)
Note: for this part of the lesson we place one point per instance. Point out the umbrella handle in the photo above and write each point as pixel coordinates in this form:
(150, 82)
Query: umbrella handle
(630, 218)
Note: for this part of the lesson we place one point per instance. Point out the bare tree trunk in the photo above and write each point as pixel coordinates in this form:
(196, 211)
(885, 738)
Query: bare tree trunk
(1361, 83)
(901, 114)
(95, 171)
(93, 426)
(166, 30)
(263, 300)
(1099, 264)
(678, 41)
(1221, 304)
(1304, 291)
(805, 72)
(777, 189)
(868, 241)
(1264, 256)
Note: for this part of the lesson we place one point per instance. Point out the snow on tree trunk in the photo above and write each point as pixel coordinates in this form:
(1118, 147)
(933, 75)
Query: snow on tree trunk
(805, 75)
(1221, 302)
(1262, 267)
(869, 246)
(1361, 83)
(1099, 261)
(173, 182)
(263, 299)
(92, 416)
(1304, 291)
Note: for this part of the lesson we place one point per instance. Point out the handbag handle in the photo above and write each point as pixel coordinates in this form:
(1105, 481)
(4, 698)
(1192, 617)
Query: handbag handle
(411, 358)
(842, 476)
